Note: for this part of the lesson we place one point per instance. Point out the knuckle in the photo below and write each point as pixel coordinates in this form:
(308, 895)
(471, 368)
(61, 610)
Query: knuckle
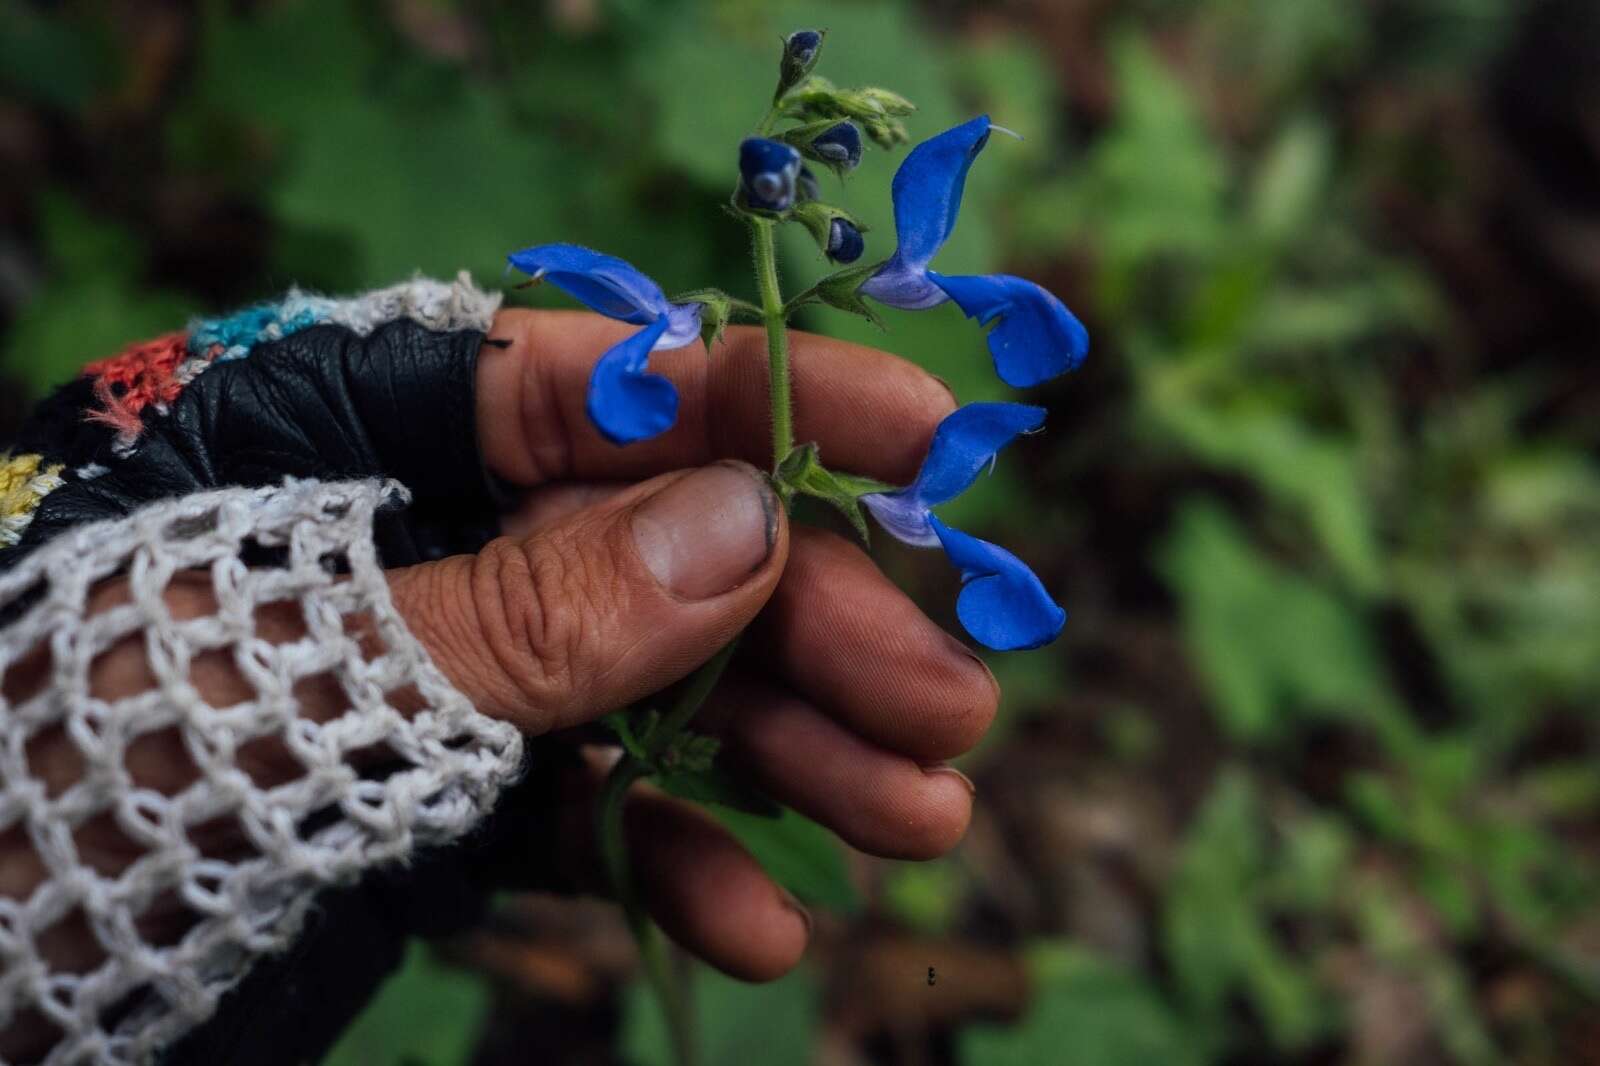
(543, 606)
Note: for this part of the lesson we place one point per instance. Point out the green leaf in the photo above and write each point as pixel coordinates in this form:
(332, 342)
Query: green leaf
(1218, 930)
(426, 1013)
(1085, 1012)
(716, 784)
(1273, 645)
(735, 1023)
(799, 854)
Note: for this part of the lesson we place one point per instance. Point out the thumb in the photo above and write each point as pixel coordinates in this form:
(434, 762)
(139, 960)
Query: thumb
(609, 604)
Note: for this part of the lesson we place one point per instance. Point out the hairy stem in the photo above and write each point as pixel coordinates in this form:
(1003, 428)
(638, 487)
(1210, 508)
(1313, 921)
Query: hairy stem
(652, 954)
(613, 845)
(774, 317)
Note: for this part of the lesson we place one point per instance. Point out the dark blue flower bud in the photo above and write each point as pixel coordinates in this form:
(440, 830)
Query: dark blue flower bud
(845, 243)
(806, 187)
(767, 172)
(800, 51)
(839, 146)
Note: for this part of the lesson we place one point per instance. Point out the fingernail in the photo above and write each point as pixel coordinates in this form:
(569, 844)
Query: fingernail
(788, 900)
(967, 653)
(943, 768)
(705, 533)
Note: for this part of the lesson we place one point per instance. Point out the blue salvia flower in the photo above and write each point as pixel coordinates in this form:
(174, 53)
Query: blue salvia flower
(845, 243)
(839, 145)
(767, 172)
(1035, 336)
(1002, 603)
(626, 402)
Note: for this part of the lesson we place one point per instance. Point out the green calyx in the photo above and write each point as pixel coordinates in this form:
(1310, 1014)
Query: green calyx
(842, 289)
(717, 309)
(802, 473)
(877, 109)
(817, 217)
(798, 60)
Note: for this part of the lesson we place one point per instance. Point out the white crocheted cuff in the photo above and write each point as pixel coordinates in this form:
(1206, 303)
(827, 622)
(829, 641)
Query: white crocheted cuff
(330, 810)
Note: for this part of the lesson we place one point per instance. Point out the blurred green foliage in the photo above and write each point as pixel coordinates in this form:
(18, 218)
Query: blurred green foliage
(1386, 604)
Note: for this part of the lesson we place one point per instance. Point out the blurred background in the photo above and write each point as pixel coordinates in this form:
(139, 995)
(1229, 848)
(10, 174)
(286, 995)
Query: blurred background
(1314, 774)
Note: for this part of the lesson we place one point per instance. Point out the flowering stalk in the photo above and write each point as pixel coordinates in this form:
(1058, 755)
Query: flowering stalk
(1032, 337)
(774, 316)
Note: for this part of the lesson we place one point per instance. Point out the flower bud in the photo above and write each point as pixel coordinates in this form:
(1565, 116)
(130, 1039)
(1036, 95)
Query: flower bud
(845, 243)
(839, 146)
(767, 173)
(800, 51)
(806, 187)
(885, 102)
(835, 231)
(830, 142)
(885, 132)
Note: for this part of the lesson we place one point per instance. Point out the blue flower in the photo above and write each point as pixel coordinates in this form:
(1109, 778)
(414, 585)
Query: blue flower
(839, 146)
(626, 402)
(1034, 337)
(1002, 603)
(767, 172)
(845, 243)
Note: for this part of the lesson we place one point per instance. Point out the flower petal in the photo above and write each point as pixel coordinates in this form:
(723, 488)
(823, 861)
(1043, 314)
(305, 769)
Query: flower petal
(927, 190)
(965, 442)
(1036, 339)
(601, 282)
(902, 286)
(903, 516)
(1002, 603)
(626, 402)
(683, 326)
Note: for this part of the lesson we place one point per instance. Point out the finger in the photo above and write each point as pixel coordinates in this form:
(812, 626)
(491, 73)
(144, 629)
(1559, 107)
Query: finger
(549, 504)
(878, 801)
(855, 645)
(871, 412)
(611, 603)
(694, 878)
(709, 894)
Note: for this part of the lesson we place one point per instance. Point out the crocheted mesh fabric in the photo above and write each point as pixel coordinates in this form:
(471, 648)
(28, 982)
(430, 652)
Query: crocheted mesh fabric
(152, 893)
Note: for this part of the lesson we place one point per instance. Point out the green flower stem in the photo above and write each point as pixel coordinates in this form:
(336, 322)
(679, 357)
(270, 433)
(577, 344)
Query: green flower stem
(694, 693)
(775, 317)
(774, 314)
(652, 954)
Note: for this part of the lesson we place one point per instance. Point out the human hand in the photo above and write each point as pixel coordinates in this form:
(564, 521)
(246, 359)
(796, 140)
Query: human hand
(625, 568)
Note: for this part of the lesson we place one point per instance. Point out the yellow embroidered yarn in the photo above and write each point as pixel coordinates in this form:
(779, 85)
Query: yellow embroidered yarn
(24, 481)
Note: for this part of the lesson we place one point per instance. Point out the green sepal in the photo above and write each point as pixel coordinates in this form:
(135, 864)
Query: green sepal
(740, 209)
(803, 472)
(688, 753)
(716, 311)
(791, 71)
(800, 138)
(885, 132)
(817, 217)
(841, 289)
(872, 107)
(633, 728)
(717, 785)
